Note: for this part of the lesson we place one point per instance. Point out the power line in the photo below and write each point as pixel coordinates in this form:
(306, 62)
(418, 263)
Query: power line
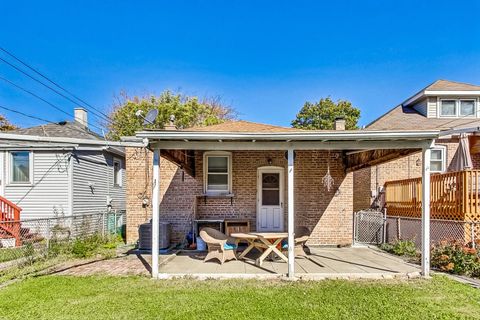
(36, 118)
(104, 118)
(27, 115)
(42, 99)
(50, 80)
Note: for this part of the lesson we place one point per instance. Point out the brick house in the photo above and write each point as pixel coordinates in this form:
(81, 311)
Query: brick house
(443, 105)
(273, 177)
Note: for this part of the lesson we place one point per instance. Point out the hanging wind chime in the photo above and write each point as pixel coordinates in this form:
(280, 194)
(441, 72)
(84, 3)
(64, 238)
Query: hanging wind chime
(327, 180)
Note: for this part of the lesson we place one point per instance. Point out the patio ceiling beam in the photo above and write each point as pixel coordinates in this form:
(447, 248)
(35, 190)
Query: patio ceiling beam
(185, 159)
(282, 145)
(370, 158)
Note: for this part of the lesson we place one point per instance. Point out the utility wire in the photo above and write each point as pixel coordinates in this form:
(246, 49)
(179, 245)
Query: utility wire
(51, 81)
(103, 118)
(37, 118)
(42, 99)
(27, 115)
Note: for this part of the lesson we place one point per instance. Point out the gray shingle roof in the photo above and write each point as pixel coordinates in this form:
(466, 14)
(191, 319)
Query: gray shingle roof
(62, 130)
(406, 118)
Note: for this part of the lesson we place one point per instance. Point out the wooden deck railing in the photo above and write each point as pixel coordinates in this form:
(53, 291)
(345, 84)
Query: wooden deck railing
(10, 219)
(454, 196)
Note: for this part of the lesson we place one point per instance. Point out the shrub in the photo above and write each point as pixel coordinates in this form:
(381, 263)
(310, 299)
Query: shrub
(455, 257)
(401, 248)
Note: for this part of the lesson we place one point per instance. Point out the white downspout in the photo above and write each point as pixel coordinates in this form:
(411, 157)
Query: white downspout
(291, 226)
(426, 153)
(155, 211)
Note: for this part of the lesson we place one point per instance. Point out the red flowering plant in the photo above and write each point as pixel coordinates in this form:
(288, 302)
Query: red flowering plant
(456, 257)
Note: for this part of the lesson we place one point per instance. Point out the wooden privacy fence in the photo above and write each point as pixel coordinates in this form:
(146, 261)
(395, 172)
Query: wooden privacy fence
(454, 196)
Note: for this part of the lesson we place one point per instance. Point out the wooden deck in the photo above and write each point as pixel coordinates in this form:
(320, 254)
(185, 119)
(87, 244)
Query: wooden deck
(454, 196)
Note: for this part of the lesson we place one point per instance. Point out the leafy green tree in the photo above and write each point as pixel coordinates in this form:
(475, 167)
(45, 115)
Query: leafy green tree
(321, 115)
(6, 125)
(188, 112)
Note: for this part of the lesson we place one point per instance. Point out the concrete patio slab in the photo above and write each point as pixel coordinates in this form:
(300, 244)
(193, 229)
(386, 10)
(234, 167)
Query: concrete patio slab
(322, 263)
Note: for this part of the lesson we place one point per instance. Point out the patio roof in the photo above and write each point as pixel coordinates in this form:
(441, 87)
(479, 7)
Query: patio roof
(360, 148)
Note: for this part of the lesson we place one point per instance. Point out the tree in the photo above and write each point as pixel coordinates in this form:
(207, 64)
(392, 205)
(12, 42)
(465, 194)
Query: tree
(6, 125)
(321, 115)
(188, 112)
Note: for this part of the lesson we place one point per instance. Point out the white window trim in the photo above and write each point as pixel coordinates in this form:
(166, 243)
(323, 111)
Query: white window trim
(119, 161)
(10, 168)
(208, 154)
(457, 107)
(443, 149)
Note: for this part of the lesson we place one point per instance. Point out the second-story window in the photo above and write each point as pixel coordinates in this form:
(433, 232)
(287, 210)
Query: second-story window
(457, 108)
(467, 107)
(448, 108)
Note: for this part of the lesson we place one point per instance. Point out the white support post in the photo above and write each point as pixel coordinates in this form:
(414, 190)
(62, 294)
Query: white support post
(291, 226)
(426, 153)
(155, 212)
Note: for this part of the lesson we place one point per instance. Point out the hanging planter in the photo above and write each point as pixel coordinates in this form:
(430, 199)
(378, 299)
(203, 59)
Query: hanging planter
(328, 180)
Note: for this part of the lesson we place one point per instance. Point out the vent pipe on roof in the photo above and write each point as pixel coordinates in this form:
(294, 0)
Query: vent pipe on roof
(171, 124)
(81, 116)
(339, 123)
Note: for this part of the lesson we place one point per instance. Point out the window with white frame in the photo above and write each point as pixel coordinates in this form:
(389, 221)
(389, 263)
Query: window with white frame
(448, 108)
(467, 107)
(20, 167)
(217, 172)
(117, 172)
(457, 108)
(438, 159)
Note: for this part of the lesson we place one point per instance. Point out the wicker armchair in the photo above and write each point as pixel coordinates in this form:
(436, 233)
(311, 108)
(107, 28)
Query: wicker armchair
(217, 245)
(302, 234)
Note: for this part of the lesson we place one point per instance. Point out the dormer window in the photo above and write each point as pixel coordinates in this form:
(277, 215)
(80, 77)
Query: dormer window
(448, 108)
(467, 107)
(457, 108)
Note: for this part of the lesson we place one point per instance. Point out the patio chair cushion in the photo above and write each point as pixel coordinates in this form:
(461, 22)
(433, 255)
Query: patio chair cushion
(229, 246)
(284, 244)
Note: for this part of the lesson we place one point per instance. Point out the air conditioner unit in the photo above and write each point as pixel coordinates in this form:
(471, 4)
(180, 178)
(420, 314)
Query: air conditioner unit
(145, 236)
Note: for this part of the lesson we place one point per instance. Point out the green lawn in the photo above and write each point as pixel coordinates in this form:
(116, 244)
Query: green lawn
(58, 297)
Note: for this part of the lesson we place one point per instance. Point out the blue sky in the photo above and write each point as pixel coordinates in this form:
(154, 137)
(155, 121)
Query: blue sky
(263, 58)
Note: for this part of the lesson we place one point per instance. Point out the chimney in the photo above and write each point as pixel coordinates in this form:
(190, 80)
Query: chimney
(81, 116)
(339, 123)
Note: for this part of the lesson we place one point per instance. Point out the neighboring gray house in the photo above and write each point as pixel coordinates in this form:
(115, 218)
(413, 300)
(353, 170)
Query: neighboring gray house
(61, 169)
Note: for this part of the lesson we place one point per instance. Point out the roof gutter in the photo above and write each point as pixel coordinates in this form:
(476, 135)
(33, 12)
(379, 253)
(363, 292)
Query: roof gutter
(459, 131)
(296, 136)
(21, 137)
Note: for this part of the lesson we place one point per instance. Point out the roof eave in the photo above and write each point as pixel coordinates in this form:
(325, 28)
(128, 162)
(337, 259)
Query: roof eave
(296, 136)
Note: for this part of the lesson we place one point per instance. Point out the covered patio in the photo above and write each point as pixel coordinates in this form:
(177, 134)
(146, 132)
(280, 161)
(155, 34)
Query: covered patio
(357, 149)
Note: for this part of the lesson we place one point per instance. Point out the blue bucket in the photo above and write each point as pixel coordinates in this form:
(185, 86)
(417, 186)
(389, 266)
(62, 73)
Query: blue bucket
(201, 245)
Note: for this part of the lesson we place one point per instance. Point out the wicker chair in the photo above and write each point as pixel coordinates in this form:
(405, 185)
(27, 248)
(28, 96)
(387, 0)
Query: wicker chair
(217, 245)
(302, 234)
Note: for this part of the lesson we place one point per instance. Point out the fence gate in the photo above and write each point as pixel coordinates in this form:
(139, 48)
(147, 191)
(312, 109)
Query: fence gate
(368, 227)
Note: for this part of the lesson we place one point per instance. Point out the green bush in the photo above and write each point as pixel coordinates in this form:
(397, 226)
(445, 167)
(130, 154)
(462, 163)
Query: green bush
(401, 248)
(455, 257)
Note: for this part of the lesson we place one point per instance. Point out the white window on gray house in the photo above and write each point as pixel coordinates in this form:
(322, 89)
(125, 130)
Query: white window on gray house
(217, 176)
(117, 172)
(438, 159)
(20, 167)
(467, 107)
(448, 108)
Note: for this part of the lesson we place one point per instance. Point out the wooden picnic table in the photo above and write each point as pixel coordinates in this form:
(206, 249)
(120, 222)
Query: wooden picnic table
(266, 241)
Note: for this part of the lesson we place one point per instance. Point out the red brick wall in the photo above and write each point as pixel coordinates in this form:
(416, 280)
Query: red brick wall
(327, 214)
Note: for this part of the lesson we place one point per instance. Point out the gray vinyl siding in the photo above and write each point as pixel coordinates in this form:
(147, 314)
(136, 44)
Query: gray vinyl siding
(117, 193)
(48, 195)
(432, 107)
(421, 107)
(93, 183)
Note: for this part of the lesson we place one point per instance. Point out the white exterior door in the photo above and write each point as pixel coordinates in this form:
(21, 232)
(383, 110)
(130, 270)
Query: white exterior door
(270, 199)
